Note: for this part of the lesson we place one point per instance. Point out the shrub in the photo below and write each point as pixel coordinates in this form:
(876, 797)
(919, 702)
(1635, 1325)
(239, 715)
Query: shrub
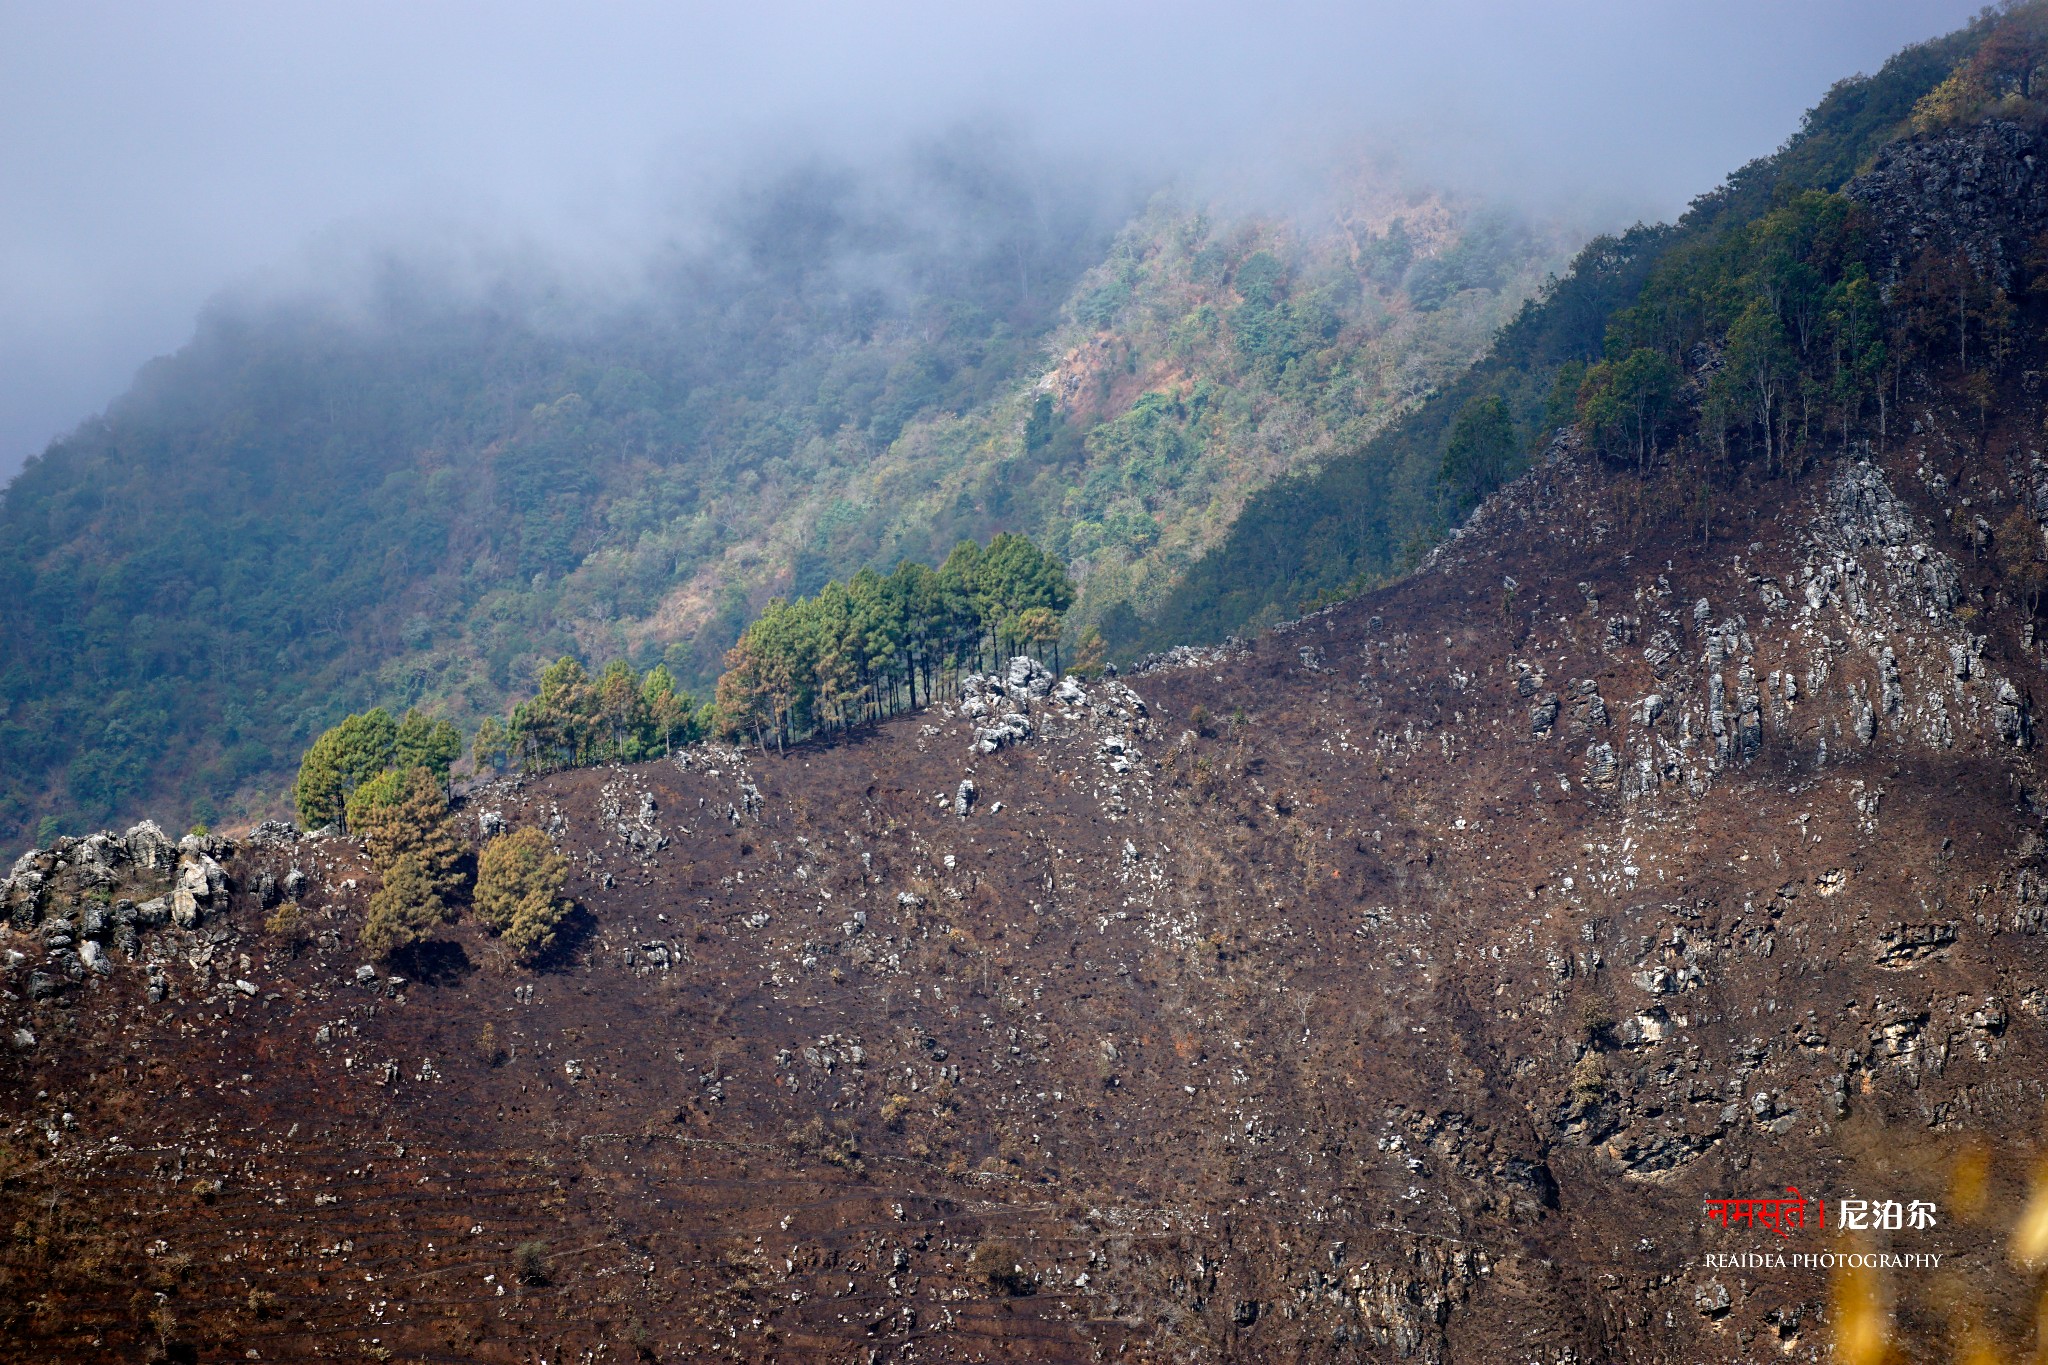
(530, 1263)
(999, 1265)
(489, 1050)
(287, 924)
(518, 891)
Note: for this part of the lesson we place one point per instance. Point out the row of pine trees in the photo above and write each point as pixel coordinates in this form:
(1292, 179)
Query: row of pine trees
(877, 645)
(849, 654)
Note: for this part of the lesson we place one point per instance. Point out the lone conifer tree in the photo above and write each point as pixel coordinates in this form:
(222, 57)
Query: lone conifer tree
(518, 890)
(417, 855)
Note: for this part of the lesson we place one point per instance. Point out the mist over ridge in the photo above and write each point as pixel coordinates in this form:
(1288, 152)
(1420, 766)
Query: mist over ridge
(162, 159)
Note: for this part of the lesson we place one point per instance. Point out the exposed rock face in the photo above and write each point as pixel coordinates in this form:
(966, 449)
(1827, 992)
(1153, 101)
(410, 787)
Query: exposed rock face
(1979, 189)
(1027, 677)
(199, 882)
(149, 847)
(1002, 706)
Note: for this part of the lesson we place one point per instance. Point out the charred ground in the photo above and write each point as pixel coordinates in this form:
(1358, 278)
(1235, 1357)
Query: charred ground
(1396, 985)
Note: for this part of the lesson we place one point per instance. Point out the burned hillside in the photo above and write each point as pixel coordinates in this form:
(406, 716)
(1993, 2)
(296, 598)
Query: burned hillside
(1396, 985)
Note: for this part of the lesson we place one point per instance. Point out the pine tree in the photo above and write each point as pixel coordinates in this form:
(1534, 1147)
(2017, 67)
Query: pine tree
(411, 844)
(341, 760)
(424, 743)
(493, 743)
(384, 790)
(518, 891)
(619, 711)
(668, 711)
(405, 910)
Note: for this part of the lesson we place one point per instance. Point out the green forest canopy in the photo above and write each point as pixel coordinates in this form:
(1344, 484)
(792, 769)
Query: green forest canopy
(1607, 344)
(294, 517)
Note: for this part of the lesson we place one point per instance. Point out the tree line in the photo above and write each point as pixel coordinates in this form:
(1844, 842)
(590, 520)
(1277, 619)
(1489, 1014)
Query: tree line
(850, 653)
(877, 644)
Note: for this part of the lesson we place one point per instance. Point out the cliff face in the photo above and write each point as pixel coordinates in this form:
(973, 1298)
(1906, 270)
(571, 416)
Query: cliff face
(1981, 189)
(1400, 985)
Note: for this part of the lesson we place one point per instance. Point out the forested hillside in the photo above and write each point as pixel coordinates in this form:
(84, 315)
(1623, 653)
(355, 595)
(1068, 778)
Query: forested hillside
(1370, 513)
(426, 497)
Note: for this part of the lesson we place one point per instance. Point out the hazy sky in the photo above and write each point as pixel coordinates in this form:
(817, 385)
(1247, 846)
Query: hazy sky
(153, 154)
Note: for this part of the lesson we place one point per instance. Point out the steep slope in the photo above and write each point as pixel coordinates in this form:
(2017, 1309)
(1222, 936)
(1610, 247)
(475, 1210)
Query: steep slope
(424, 500)
(1346, 524)
(1399, 985)
(1416, 981)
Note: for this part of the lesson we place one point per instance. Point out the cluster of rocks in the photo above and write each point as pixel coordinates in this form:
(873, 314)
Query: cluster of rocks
(641, 832)
(1196, 656)
(82, 900)
(1001, 706)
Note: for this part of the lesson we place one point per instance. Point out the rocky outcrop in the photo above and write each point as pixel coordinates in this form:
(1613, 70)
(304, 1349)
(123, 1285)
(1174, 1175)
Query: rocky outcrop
(1980, 190)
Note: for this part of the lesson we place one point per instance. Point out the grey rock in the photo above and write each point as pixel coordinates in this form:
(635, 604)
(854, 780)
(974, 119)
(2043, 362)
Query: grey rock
(273, 834)
(963, 798)
(1012, 727)
(22, 1040)
(1121, 703)
(1661, 652)
(201, 885)
(23, 894)
(149, 847)
(1977, 189)
(2009, 713)
(1588, 710)
(1603, 771)
(1543, 714)
(490, 823)
(1029, 677)
(94, 860)
(1891, 694)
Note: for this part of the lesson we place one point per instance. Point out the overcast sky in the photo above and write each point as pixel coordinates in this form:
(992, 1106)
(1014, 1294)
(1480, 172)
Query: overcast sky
(152, 155)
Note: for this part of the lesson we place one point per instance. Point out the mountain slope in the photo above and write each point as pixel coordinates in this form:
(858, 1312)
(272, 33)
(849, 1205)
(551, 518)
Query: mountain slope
(1402, 984)
(1338, 526)
(306, 513)
(1397, 987)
